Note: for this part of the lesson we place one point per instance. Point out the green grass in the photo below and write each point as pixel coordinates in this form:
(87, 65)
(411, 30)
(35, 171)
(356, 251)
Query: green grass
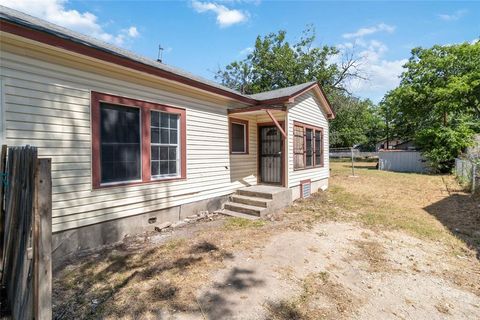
(240, 223)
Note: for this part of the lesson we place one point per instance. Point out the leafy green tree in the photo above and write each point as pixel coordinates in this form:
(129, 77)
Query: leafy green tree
(438, 101)
(357, 122)
(275, 63)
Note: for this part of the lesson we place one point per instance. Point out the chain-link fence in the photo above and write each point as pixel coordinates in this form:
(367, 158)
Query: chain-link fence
(467, 171)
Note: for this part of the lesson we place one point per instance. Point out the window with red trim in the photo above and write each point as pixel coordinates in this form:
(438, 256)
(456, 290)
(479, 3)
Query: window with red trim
(238, 136)
(135, 141)
(307, 146)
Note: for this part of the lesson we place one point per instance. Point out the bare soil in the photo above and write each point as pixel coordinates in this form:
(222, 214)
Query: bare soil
(379, 246)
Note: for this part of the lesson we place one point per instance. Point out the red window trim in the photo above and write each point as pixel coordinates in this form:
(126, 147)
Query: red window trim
(322, 149)
(247, 134)
(145, 108)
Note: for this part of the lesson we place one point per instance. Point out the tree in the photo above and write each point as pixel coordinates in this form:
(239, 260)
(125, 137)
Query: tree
(275, 63)
(357, 122)
(438, 101)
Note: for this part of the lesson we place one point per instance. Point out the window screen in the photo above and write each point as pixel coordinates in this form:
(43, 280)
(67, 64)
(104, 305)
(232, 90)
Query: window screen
(120, 143)
(165, 153)
(298, 147)
(238, 137)
(308, 147)
(318, 148)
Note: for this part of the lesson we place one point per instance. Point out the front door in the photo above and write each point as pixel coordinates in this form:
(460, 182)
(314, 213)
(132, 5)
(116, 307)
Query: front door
(271, 156)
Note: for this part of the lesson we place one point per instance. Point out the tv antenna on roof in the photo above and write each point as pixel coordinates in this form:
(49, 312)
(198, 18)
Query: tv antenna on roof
(160, 53)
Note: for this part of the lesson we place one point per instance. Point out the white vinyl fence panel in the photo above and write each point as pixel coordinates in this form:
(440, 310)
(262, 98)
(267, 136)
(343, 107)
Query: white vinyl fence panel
(402, 161)
(467, 171)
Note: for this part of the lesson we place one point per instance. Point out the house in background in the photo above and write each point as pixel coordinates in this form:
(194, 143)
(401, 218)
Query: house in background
(134, 141)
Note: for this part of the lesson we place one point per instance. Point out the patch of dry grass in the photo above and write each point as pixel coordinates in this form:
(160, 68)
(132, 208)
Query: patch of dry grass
(131, 284)
(137, 283)
(321, 298)
(426, 206)
(374, 254)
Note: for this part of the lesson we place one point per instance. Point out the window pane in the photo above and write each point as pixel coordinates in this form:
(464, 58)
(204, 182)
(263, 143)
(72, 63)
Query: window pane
(163, 167)
(119, 143)
(298, 147)
(238, 137)
(155, 135)
(155, 168)
(155, 121)
(174, 121)
(155, 153)
(164, 119)
(163, 153)
(172, 167)
(172, 153)
(318, 148)
(309, 147)
(173, 137)
(164, 136)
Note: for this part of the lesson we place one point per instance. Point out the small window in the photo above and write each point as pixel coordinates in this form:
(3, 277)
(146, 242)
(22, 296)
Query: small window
(120, 143)
(298, 147)
(238, 136)
(165, 154)
(318, 148)
(307, 146)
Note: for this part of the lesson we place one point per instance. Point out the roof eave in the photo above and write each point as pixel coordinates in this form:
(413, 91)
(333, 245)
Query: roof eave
(105, 55)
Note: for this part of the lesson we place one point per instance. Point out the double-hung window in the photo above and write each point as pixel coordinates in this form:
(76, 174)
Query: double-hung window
(307, 146)
(238, 136)
(135, 141)
(165, 152)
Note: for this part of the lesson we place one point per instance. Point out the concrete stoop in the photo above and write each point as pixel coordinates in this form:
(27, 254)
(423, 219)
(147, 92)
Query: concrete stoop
(257, 201)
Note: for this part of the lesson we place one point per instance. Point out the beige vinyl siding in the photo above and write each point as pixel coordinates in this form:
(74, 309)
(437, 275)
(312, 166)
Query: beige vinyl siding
(307, 109)
(48, 105)
(244, 166)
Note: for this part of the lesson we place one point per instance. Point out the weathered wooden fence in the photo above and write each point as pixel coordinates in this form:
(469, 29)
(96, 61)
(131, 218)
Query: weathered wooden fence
(468, 172)
(25, 224)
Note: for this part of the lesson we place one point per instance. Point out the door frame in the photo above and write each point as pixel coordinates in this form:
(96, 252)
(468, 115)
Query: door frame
(259, 162)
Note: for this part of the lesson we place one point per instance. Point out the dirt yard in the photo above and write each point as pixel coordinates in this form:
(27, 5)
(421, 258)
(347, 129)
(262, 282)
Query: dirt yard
(377, 246)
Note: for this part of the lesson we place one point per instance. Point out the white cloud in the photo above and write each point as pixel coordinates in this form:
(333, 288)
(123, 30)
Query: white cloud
(382, 74)
(453, 16)
(382, 27)
(225, 16)
(133, 32)
(55, 11)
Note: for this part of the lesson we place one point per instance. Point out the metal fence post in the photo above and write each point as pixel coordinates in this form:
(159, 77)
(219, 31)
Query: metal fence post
(474, 176)
(353, 166)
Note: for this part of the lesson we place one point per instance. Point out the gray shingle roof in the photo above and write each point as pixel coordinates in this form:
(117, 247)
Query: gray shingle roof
(19, 18)
(280, 93)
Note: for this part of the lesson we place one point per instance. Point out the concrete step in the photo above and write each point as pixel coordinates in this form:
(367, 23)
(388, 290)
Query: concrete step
(256, 194)
(245, 208)
(253, 201)
(237, 214)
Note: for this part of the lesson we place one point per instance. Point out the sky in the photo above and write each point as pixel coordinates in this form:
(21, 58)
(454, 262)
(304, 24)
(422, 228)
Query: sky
(202, 36)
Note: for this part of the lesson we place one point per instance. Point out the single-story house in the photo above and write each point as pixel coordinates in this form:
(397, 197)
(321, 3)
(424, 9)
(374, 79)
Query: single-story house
(134, 141)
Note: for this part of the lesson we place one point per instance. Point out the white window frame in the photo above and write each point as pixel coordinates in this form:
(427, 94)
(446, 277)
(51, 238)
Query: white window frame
(244, 138)
(159, 144)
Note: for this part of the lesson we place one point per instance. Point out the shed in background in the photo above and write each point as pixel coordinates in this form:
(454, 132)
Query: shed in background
(402, 161)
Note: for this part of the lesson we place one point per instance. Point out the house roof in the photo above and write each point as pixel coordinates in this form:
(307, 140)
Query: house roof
(21, 24)
(282, 92)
